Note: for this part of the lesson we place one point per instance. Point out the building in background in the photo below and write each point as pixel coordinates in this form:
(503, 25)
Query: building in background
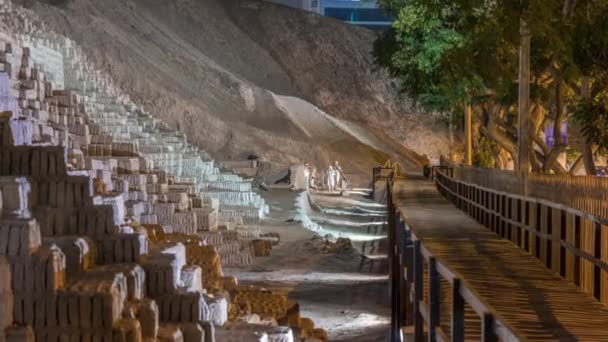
(308, 5)
(364, 13)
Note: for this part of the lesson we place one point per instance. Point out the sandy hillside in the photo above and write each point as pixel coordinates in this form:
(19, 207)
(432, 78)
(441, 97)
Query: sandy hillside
(215, 68)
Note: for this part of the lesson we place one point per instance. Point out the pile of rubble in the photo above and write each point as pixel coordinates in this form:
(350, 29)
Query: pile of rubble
(329, 244)
(339, 245)
(114, 227)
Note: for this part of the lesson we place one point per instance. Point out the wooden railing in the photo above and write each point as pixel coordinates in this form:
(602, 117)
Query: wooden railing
(448, 170)
(419, 302)
(545, 216)
(586, 193)
(380, 174)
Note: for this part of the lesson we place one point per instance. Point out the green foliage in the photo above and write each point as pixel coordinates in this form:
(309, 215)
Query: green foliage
(483, 156)
(426, 52)
(572, 154)
(446, 52)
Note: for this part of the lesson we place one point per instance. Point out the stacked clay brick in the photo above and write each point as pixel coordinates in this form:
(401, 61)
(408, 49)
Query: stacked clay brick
(73, 266)
(270, 305)
(76, 269)
(121, 130)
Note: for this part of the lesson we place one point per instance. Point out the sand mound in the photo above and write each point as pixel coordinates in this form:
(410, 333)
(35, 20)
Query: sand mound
(211, 68)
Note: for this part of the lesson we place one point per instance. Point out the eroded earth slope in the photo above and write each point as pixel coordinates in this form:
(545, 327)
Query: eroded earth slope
(244, 77)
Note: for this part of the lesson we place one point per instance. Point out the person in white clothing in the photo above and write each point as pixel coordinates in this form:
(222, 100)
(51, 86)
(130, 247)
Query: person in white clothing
(313, 178)
(339, 182)
(307, 175)
(330, 176)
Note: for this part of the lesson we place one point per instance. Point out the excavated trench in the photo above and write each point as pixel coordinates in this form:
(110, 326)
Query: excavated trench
(340, 296)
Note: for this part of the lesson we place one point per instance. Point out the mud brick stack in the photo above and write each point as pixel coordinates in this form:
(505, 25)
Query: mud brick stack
(6, 296)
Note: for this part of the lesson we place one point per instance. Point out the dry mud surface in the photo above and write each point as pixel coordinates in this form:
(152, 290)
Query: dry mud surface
(351, 304)
(244, 76)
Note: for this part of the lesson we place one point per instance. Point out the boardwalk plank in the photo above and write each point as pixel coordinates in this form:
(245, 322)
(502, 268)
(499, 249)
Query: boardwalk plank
(523, 293)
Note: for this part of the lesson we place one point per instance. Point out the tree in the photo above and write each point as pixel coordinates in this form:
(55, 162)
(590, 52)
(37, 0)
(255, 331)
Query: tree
(447, 53)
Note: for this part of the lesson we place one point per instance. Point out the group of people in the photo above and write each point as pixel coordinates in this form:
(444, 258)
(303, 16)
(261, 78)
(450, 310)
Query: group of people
(333, 178)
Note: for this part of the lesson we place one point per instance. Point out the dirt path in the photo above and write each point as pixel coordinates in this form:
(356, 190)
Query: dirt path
(351, 305)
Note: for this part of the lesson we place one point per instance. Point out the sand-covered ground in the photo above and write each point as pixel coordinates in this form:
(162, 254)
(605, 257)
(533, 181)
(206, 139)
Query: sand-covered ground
(351, 304)
(242, 77)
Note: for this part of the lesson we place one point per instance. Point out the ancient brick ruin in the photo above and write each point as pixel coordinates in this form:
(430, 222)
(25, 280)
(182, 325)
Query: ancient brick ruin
(114, 227)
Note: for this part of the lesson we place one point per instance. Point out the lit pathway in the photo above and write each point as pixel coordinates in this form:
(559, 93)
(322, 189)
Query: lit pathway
(350, 305)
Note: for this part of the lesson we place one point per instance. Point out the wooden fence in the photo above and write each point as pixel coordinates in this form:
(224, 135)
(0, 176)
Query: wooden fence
(380, 175)
(559, 220)
(585, 193)
(422, 288)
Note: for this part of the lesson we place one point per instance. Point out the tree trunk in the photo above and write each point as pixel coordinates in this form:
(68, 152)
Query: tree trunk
(559, 146)
(578, 163)
(524, 143)
(493, 131)
(559, 113)
(451, 137)
(586, 148)
(468, 134)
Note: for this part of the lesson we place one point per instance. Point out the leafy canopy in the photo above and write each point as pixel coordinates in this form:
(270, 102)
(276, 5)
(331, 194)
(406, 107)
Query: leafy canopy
(446, 52)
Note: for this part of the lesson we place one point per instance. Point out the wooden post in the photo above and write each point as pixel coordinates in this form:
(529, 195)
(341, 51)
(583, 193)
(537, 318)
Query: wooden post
(484, 208)
(475, 201)
(396, 276)
(597, 271)
(457, 312)
(418, 286)
(479, 205)
(524, 126)
(468, 133)
(487, 328)
(409, 256)
(523, 204)
(515, 230)
(503, 214)
(544, 229)
(604, 257)
(392, 227)
(532, 211)
(570, 237)
(434, 299)
(587, 244)
(556, 236)
(403, 288)
(508, 215)
(494, 219)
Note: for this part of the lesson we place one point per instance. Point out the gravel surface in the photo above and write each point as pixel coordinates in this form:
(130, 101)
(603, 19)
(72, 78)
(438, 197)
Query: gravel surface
(352, 305)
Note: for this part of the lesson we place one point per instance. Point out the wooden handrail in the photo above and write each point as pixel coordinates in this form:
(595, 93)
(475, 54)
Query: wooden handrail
(563, 232)
(406, 258)
(588, 194)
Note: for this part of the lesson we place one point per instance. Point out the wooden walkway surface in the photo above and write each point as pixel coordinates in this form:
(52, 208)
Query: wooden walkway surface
(536, 303)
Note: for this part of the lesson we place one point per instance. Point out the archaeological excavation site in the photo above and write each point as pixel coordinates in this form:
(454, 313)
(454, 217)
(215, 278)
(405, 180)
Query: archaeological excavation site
(195, 170)
(303, 170)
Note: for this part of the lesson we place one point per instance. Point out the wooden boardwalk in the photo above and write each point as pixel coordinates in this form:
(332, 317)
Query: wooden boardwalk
(526, 300)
